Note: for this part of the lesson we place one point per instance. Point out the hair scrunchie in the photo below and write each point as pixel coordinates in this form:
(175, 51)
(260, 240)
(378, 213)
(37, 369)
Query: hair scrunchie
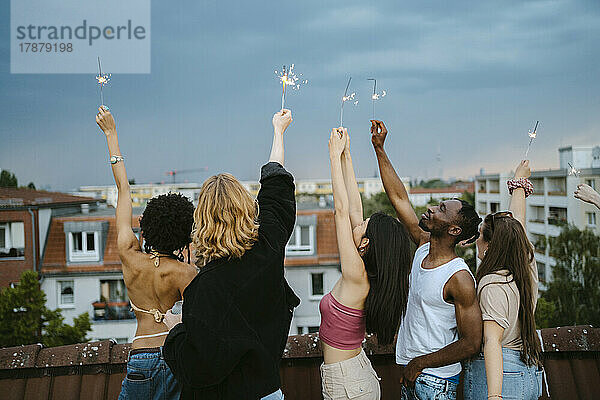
(523, 183)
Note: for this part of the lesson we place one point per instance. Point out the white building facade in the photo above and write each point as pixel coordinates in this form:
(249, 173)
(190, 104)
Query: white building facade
(552, 203)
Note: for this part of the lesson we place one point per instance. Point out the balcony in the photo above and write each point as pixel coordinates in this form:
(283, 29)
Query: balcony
(110, 311)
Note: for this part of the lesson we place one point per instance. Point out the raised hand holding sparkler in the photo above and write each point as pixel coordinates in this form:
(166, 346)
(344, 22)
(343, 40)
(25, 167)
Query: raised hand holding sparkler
(288, 77)
(347, 97)
(532, 135)
(573, 170)
(103, 80)
(376, 96)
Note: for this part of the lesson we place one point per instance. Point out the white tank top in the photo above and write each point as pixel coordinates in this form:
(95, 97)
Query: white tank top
(430, 322)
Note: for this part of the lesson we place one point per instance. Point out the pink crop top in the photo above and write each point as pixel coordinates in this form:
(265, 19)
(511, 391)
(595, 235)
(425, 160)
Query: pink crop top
(341, 327)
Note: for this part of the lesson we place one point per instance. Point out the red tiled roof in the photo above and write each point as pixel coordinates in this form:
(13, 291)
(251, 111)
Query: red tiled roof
(55, 257)
(11, 197)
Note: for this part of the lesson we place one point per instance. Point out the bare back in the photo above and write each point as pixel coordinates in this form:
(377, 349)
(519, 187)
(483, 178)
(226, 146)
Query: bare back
(151, 287)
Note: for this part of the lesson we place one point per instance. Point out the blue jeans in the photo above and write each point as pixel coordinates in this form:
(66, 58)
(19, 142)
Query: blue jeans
(149, 378)
(278, 395)
(429, 387)
(518, 382)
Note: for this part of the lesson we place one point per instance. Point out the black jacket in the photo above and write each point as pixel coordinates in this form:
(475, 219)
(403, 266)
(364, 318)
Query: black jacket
(237, 313)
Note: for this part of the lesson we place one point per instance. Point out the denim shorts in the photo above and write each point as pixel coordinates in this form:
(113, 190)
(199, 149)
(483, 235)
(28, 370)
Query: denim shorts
(278, 395)
(429, 387)
(518, 382)
(149, 377)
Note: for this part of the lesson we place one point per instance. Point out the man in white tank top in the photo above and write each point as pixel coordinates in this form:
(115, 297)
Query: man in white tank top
(442, 324)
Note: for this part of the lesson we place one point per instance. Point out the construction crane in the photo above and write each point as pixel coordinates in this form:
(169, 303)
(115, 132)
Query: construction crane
(173, 174)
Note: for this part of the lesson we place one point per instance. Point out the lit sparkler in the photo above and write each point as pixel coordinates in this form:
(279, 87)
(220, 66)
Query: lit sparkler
(103, 80)
(573, 170)
(288, 77)
(532, 134)
(345, 98)
(376, 96)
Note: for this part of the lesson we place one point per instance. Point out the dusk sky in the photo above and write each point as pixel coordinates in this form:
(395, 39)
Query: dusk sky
(467, 78)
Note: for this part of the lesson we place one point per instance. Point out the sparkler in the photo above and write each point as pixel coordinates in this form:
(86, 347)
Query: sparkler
(573, 170)
(346, 98)
(532, 135)
(288, 77)
(102, 79)
(376, 96)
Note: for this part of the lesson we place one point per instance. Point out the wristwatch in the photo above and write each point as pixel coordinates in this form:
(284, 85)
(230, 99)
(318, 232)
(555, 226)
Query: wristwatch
(116, 159)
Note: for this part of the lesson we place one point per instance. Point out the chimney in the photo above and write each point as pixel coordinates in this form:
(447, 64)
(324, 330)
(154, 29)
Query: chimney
(85, 208)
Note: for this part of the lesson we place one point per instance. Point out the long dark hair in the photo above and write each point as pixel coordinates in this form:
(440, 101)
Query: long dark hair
(509, 248)
(387, 263)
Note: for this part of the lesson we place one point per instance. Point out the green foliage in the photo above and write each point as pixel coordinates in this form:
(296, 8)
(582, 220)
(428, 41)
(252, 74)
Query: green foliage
(24, 318)
(575, 287)
(378, 202)
(544, 313)
(8, 179)
(31, 186)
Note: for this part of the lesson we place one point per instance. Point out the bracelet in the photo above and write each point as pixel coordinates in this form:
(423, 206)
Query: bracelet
(116, 159)
(522, 183)
(491, 396)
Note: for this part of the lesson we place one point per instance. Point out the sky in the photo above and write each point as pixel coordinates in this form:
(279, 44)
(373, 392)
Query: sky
(465, 79)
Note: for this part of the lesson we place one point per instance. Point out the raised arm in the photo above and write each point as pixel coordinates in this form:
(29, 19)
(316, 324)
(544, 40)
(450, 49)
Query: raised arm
(281, 120)
(461, 290)
(518, 206)
(126, 239)
(353, 269)
(354, 201)
(586, 193)
(394, 188)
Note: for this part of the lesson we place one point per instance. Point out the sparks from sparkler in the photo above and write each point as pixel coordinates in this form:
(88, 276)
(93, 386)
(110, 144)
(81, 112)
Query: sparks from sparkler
(376, 96)
(573, 170)
(532, 135)
(103, 80)
(288, 77)
(346, 97)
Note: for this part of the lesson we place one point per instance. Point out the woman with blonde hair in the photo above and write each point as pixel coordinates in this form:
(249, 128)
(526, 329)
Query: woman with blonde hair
(237, 311)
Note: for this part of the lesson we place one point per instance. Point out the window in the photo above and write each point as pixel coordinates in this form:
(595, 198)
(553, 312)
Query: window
(591, 218)
(494, 207)
(591, 182)
(300, 330)
(83, 246)
(316, 285)
(301, 241)
(113, 290)
(66, 293)
(12, 240)
(541, 272)
(313, 329)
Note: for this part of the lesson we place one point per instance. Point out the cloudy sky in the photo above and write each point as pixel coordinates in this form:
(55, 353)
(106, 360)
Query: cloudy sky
(465, 78)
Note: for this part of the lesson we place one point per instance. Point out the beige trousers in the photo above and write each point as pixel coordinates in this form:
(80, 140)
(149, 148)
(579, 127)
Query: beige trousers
(353, 379)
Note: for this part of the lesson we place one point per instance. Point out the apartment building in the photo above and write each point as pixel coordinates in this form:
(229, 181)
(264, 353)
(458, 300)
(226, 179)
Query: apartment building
(423, 196)
(140, 194)
(552, 202)
(312, 263)
(25, 217)
(82, 272)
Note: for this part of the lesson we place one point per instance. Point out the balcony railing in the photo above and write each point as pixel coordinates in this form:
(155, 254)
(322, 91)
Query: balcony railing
(112, 310)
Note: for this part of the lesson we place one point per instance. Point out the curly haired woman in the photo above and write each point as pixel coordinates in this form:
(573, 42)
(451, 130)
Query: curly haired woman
(155, 279)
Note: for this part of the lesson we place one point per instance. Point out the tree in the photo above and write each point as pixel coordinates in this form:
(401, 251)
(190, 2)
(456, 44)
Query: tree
(24, 318)
(31, 186)
(575, 287)
(8, 179)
